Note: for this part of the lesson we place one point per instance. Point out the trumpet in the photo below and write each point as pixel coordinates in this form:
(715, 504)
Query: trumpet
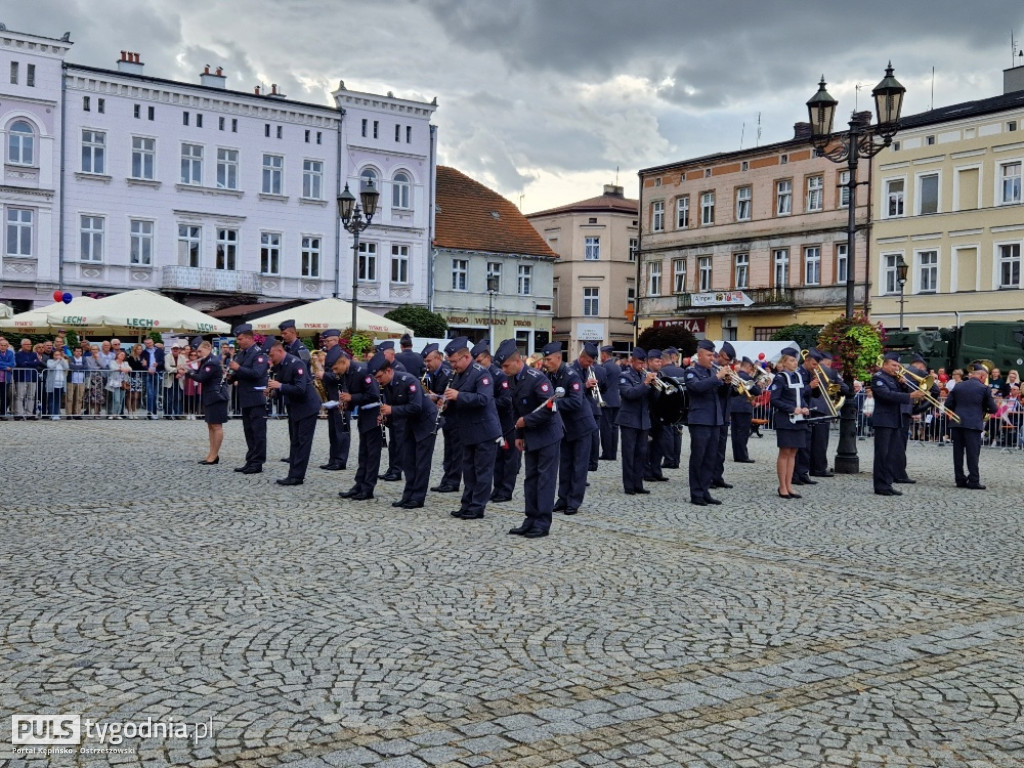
(663, 386)
(595, 392)
(831, 392)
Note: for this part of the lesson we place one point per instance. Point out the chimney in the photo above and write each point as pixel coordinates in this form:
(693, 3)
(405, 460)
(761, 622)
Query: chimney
(802, 131)
(1013, 78)
(274, 92)
(613, 190)
(130, 63)
(211, 80)
(256, 90)
(863, 118)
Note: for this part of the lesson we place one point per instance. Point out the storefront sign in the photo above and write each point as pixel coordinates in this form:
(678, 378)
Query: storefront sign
(692, 324)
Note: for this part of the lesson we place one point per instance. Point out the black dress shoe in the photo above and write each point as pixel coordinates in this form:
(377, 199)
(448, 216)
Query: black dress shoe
(535, 533)
(806, 480)
(631, 493)
(471, 515)
(361, 497)
(721, 485)
(412, 505)
(390, 477)
(961, 485)
(399, 503)
(797, 481)
(905, 481)
(560, 507)
(457, 512)
(698, 502)
(241, 469)
(889, 492)
(206, 463)
(711, 500)
(255, 469)
(641, 490)
(571, 511)
(444, 489)
(746, 461)
(289, 481)
(332, 467)
(285, 460)
(978, 487)
(521, 530)
(795, 496)
(823, 474)
(592, 468)
(349, 493)
(500, 499)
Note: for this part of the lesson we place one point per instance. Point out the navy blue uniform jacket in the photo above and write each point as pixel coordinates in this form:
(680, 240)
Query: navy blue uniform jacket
(475, 411)
(543, 428)
(970, 400)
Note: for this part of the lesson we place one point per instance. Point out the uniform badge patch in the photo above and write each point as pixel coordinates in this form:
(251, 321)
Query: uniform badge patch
(369, 379)
(259, 359)
(544, 387)
(412, 387)
(576, 386)
(485, 380)
(300, 371)
(206, 368)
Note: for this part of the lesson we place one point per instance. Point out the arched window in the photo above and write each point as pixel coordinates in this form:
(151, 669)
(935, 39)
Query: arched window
(401, 191)
(367, 175)
(21, 144)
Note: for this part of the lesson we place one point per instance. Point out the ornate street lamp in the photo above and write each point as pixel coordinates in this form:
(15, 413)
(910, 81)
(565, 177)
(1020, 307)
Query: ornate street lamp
(492, 290)
(355, 219)
(901, 278)
(859, 141)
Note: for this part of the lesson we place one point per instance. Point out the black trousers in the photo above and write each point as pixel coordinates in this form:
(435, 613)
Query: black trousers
(506, 468)
(539, 485)
(966, 442)
(888, 446)
(370, 445)
(573, 465)
(254, 427)
(900, 456)
(396, 436)
(609, 433)
(339, 436)
(452, 463)
(416, 462)
(740, 435)
(301, 444)
(718, 474)
(634, 457)
(657, 449)
(819, 447)
(703, 455)
(478, 474)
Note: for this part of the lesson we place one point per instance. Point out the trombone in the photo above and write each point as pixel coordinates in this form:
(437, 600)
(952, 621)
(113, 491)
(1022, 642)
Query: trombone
(913, 380)
(830, 392)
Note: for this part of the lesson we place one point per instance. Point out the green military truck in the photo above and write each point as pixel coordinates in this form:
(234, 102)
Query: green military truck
(949, 348)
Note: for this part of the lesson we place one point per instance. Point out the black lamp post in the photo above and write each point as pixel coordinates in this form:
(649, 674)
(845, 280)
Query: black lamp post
(901, 278)
(355, 219)
(492, 289)
(859, 141)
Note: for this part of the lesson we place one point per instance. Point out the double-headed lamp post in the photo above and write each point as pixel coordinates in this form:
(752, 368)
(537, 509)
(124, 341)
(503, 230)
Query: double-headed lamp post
(355, 219)
(901, 278)
(859, 141)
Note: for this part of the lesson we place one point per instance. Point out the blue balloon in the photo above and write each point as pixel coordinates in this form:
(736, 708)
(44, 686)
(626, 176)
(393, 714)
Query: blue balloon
(66, 298)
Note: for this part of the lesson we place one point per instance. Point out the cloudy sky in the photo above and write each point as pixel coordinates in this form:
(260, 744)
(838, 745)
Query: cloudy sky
(546, 100)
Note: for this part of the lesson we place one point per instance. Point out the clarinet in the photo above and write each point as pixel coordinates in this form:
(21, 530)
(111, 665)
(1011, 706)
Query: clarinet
(380, 417)
(442, 403)
(342, 389)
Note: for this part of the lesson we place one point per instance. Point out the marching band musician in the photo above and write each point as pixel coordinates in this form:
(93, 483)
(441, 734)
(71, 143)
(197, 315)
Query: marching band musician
(360, 390)
(660, 443)
(820, 430)
(971, 399)
(579, 423)
(919, 367)
(507, 459)
(412, 362)
(249, 370)
(404, 402)
(395, 436)
(741, 413)
(789, 398)
(338, 431)
(806, 369)
(470, 398)
(890, 396)
(584, 363)
(705, 420)
(439, 375)
(612, 401)
(726, 355)
(538, 434)
(634, 420)
(295, 348)
(292, 380)
(672, 369)
(215, 407)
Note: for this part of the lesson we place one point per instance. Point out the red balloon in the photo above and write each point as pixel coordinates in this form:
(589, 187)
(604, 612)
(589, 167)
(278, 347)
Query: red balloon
(58, 295)
(761, 356)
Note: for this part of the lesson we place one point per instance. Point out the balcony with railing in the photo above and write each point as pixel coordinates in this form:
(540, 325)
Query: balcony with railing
(211, 280)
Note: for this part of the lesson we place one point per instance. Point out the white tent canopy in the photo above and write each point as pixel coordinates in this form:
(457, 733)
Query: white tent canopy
(772, 350)
(136, 312)
(318, 316)
(5, 311)
(37, 320)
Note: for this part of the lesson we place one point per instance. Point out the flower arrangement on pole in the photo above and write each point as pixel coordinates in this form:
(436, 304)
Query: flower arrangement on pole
(855, 342)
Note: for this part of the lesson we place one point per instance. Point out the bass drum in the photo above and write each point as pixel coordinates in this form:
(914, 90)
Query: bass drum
(669, 409)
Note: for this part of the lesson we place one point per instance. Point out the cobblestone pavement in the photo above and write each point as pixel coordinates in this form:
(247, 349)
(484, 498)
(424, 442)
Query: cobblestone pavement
(845, 629)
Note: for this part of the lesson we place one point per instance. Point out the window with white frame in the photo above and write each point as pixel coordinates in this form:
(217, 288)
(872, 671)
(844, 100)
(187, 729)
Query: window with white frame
(92, 230)
(270, 253)
(227, 168)
(784, 197)
(844, 189)
(94, 152)
(678, 275)
(21, 144)
(928, 194)
(19, 232)
(400, 264)
(741, 271)
(815, 193)
(780, 267)
(141, 243)
(367, 262)
(927, 271)
(654, 278)
(894, 189)
(592, 249)
(1009, 182)
(190, 240)
(744, 196)
(227, 249)
(143, 158)
(591, 302)
(401, 190)
(634, 246)
(842, 264)
(525, 280)
(683, 212)
(707, 209)
(1009, 265)
(658, 216)
(890, 273)
(273, 174)
(812, 265)
(310, 256)
(460, 274)
(704, 273)
(367, 176)
(313, 179)
(192, 164)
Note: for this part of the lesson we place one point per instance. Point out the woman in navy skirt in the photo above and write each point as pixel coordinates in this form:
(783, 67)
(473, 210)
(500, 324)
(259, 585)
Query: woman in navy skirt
(215, 407)
(788, 397)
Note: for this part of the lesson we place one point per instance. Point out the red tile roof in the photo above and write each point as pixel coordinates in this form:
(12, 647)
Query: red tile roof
(471, 217)
(601, 204)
